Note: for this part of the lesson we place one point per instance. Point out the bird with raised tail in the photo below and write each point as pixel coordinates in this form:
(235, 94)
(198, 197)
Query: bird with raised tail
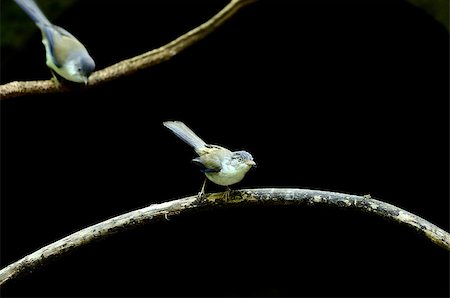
(220, 165)
(66, 56)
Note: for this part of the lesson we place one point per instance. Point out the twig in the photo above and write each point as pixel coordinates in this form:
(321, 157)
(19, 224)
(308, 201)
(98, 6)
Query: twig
(129, 66)
(270, 196)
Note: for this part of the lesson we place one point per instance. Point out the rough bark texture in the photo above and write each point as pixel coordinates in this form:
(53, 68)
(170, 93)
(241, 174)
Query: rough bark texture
(269, 196)
(129, 66)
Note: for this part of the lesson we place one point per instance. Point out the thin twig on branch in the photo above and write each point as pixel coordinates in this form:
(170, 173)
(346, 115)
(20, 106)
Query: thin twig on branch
(269, 196)
(130, 66)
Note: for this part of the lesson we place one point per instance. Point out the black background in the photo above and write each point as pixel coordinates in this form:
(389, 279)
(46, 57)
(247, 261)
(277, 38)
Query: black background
(348, 96)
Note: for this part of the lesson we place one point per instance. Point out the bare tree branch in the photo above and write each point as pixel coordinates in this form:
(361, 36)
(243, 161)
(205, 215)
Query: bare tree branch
(130, 66)
(269, 196)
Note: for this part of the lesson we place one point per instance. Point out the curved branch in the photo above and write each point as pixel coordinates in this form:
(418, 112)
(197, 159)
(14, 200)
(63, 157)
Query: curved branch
(268, 196)
(132, 65)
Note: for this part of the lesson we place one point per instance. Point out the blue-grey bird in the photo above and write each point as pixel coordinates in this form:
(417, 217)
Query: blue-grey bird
(220, 165)
(65, 54)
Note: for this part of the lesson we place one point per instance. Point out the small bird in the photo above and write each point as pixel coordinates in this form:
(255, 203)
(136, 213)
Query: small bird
(65, 54)
(220, 165)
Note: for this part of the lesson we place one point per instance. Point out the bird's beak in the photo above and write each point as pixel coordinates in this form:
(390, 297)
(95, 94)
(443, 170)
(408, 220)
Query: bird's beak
(85, 79)
(251, 163)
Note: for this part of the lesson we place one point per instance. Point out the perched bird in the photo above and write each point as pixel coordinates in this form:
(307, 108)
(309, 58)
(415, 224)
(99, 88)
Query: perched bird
(65, 54)
(220, 165)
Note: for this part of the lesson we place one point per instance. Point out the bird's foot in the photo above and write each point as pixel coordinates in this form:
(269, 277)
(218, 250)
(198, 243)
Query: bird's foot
(55, 80)
(201, 195)
(227, 194)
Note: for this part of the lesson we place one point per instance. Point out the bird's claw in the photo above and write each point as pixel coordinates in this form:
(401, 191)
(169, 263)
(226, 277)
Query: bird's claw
(201, 195)
(227, 194)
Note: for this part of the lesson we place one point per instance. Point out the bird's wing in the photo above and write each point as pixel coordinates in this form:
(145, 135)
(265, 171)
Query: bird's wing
(61, 44)
(212, 157)
(203, 168)
(63, 32)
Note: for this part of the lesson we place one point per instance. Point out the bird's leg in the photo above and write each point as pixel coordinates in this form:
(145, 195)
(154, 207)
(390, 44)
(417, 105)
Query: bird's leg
(227, 193)
(201, 194)
(55, 77)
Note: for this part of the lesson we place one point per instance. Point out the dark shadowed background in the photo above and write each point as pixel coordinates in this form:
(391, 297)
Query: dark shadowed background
(349, 96)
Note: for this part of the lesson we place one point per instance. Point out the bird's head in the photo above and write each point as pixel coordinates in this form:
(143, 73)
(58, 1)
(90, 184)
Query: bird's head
(80, 67)
(243, 159)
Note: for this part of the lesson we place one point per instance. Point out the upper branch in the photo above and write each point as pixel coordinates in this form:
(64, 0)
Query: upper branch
(129, 66)
(268, 196)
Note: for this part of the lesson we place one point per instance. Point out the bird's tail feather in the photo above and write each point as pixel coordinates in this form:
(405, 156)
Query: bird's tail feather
(185, 133)
(34, 12)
